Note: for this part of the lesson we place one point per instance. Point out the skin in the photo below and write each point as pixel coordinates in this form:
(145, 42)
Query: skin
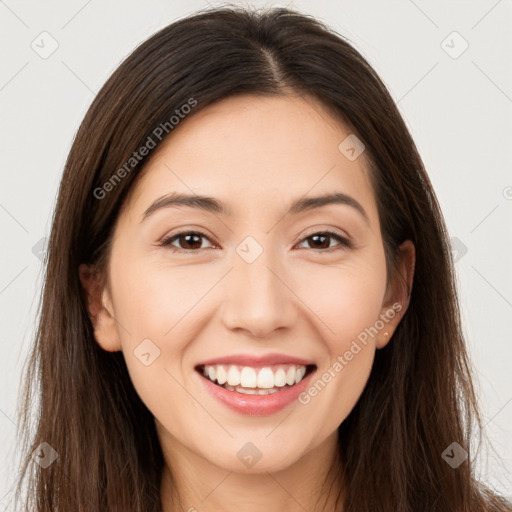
(257, 155)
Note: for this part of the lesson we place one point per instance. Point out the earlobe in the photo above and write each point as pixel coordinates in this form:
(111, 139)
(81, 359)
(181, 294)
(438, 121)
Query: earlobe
(386, 333)
(102, 319)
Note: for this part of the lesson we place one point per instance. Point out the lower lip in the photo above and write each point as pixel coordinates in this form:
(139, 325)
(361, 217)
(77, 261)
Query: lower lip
(256, 405)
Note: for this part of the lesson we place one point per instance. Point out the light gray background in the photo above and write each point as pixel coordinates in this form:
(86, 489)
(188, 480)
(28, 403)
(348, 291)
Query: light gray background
(458, 110)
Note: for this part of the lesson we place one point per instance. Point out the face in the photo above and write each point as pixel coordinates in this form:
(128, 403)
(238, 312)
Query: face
(244, 289)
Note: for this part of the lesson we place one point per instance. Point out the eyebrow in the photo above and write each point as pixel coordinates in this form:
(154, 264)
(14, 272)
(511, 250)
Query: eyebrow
(213, 205)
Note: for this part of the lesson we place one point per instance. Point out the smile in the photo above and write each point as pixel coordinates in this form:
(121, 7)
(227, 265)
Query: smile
(255, 390)
(255, 381)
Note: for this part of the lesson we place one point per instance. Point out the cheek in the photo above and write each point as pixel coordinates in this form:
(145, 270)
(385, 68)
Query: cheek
(346, 298)
(152, 300)
(155, 307)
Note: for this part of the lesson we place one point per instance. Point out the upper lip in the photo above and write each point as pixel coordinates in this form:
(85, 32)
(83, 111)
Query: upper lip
(250, 360)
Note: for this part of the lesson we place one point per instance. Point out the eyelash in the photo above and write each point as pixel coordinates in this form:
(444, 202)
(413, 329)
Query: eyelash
(345, 243)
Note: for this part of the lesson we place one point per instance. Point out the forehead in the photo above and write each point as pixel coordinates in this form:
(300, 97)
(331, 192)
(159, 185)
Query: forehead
(253, 151)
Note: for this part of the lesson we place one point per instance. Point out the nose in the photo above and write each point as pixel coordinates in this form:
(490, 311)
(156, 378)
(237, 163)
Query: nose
(259, 298)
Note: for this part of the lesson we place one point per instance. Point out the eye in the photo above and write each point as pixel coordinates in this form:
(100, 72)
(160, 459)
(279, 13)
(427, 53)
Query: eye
(322, 238)
(191, 241)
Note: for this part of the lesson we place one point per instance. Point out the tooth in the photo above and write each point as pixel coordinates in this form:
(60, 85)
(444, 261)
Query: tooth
(280, 378)
(270, 391)
(248, 377)
(262, 391)
(299, 374)
(222, 376)
(290, 376)
(246, 391)
(233, 376)
(266, 378)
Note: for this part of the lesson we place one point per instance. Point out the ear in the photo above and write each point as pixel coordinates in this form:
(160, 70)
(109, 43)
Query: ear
(99, 308)
(398, 292)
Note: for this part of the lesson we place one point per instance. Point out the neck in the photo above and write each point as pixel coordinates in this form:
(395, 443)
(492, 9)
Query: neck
(190, 483)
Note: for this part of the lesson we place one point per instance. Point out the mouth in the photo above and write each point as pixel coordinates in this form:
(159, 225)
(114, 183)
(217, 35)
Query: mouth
(255, 380)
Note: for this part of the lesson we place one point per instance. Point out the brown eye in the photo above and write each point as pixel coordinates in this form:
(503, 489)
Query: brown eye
(187, 240)
(191, 241)
(321, 240)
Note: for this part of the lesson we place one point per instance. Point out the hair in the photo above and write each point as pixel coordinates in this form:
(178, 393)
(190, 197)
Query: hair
(419, 398)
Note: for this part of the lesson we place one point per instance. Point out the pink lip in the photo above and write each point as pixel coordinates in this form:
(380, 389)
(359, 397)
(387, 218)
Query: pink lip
(256, 361)
(256, 405)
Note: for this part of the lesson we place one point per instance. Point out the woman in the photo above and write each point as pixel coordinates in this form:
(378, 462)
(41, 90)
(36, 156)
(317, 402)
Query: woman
(310, 355)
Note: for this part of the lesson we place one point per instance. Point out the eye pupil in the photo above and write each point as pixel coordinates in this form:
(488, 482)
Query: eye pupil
(317, 236)
(188, 236)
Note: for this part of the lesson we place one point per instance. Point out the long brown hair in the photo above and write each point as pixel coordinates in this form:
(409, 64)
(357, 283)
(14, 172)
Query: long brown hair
(419, 398)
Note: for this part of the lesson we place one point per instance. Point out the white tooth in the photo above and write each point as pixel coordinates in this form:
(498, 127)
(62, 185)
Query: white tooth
(299, 374)
(270, 391)
(222, 376)
(233, 376)
(248, 377)
(246, 391)
(290, 376)
(262, 391)
(229, 388)
(280, 378)
(266, 378)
